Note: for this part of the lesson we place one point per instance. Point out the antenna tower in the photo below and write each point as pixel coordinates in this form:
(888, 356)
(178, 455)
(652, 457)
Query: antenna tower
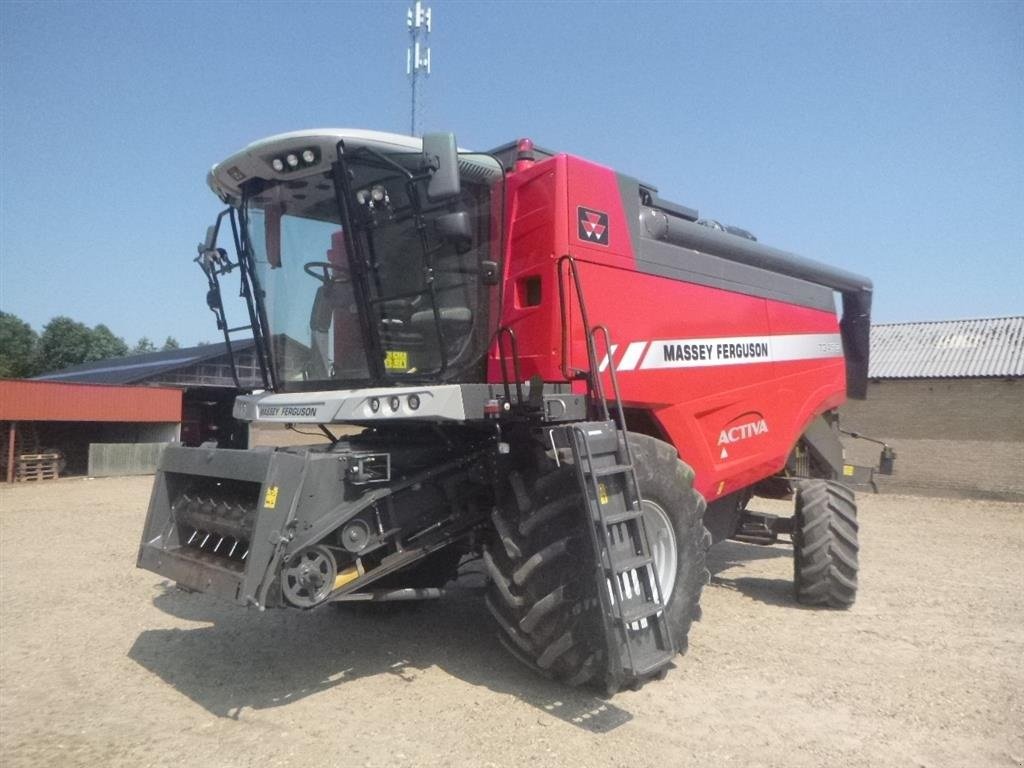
(417, 56)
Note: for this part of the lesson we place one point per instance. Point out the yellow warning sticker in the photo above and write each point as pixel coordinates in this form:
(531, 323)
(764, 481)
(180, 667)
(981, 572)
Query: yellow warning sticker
(271, 500)
(848, 470)
(394, 360)
(602, 493)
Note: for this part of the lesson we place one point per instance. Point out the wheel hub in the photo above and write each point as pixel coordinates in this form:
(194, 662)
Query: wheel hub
(662, 539)
(309, 577)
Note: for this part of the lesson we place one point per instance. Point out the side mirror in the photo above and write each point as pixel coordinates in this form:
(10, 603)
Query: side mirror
(211, 238)
(442, 155)
(455, 228)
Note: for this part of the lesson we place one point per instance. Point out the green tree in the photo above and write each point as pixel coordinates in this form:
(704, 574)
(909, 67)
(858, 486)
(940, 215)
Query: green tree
(104, 344)
(144, 346)
(17, 347)
(171, 343)
(65, 342)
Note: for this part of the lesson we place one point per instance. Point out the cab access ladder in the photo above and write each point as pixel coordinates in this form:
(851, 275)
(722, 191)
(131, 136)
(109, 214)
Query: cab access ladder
(638, 638)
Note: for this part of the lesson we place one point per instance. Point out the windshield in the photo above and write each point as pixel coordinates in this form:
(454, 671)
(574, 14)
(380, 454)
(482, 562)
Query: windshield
(409, 305)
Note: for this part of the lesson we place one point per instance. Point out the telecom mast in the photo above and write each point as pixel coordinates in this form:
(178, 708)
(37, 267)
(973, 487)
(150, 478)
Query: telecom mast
(417, 56)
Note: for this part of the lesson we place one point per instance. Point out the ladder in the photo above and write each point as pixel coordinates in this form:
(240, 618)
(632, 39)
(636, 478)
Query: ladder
(638, 639)
(639, 642)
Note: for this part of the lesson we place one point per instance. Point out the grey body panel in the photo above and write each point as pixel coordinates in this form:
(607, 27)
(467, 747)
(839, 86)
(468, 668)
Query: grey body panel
(276, 503)
(657, 254)
(823, 442)
(672, 225)
(437, 403)
(667, 260)
(678, 231)
(163, 552)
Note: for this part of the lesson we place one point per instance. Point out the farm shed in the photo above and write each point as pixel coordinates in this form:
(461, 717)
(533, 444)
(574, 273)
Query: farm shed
(40, 418)
(201, 373)
(949, 397)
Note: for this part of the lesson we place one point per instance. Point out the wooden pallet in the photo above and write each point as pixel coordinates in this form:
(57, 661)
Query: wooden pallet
(37, 466)
(26, 440)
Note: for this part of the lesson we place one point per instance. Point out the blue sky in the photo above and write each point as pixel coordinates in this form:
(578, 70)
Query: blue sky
(884, 138)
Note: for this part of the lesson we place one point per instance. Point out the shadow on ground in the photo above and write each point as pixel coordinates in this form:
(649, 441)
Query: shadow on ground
(245, 659)
(728, 558)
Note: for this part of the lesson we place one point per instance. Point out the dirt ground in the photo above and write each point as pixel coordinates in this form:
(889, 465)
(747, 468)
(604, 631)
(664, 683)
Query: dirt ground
(102, 664)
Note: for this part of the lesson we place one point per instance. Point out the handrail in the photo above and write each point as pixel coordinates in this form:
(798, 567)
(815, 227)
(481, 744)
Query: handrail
(503, 331)
(603, 330)
(593, 379)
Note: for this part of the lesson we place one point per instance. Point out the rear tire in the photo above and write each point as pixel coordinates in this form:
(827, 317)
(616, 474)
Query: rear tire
(825, 547)
(542, 592)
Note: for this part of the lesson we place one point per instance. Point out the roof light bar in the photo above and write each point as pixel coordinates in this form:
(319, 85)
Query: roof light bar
(295, 161)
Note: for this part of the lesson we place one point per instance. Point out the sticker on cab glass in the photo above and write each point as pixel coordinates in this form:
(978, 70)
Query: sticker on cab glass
(396, 361)
(593, 226)
(847, 470)
(271, 500)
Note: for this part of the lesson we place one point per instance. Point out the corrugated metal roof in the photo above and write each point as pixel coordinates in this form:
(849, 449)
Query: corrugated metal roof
(137, 368)
(991, 346)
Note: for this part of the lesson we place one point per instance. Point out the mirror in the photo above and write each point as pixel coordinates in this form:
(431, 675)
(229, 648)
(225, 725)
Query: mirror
(211, 238)
(456, 229)
(442, 155)
(272, 233)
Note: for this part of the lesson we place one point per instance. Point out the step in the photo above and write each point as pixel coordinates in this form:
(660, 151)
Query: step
(641, 611)
(630, 563)
(653, 662)
(611, 469)
(622, 517)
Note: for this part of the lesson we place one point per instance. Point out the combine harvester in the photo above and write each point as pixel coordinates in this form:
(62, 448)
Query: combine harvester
(556, 371)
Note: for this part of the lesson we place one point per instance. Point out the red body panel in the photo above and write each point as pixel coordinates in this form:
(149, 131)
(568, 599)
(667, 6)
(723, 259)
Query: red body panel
(742, 377)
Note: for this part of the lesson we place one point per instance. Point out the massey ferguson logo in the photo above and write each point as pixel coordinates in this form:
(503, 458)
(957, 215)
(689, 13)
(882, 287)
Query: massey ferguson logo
(742, 432)
(593, 226)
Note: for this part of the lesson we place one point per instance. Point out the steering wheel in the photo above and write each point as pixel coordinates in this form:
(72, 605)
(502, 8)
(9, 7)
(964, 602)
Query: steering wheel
(331, 273)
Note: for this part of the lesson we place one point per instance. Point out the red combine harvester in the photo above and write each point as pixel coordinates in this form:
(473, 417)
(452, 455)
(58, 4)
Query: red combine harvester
(555, 371)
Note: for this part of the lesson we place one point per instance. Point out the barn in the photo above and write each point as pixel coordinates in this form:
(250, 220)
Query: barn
(949, 397)
(50, 428)
(113, 416)
(202, 373)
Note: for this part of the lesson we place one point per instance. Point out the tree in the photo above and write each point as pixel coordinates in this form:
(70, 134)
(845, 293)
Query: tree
(65, 342)
(144, 346)
(171, 343)
(105, 344)
(17, 347)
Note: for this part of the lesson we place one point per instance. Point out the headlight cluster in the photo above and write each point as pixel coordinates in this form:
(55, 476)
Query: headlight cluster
(294, 161)
(373, 196)
(394, 403)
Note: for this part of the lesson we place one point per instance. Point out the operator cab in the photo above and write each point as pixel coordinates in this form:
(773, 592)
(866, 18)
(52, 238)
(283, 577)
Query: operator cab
(372, 255)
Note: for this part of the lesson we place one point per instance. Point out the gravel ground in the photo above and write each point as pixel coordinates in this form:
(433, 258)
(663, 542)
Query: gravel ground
(103, 664)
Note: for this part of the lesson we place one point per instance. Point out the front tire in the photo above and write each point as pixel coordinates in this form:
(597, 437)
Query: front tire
(825, 546)
(543, 594)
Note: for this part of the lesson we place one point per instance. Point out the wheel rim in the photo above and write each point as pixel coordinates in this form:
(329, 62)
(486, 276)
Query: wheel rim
(662, 538)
